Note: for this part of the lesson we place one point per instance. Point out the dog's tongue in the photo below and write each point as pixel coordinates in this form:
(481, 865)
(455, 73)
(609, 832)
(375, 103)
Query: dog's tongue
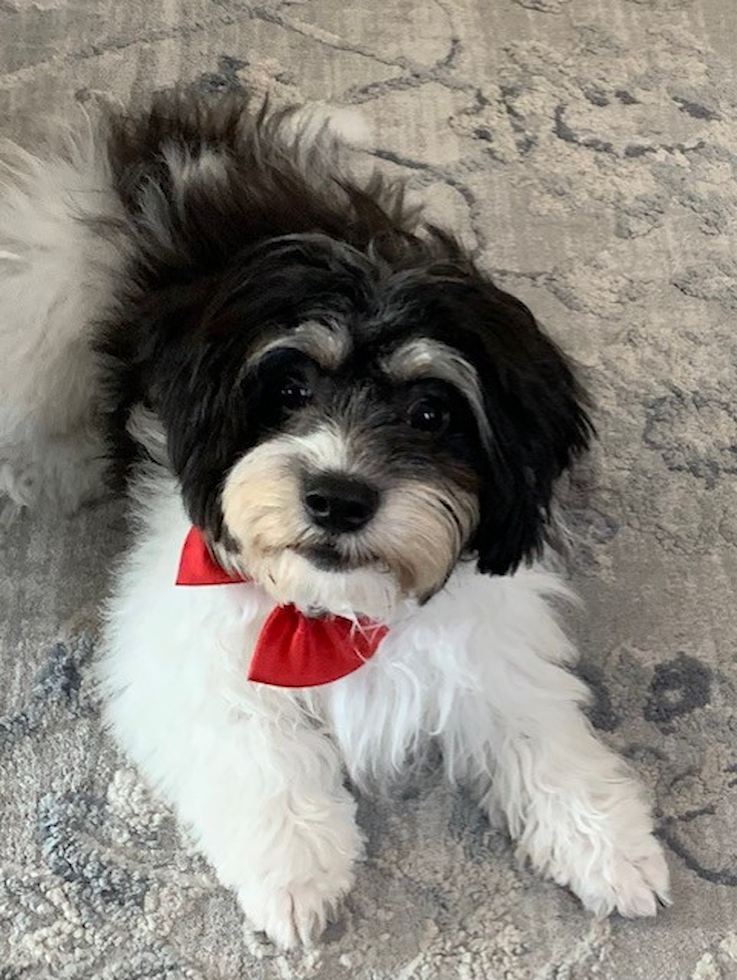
(292, 650)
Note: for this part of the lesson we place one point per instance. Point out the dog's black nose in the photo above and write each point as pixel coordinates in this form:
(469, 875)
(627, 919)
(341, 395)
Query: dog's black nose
(340, 503)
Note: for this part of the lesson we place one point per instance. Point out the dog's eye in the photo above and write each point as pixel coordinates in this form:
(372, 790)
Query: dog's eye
(295, 394)
(429, 415)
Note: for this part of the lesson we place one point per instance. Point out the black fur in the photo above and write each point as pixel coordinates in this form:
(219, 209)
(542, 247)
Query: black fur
(220, 261)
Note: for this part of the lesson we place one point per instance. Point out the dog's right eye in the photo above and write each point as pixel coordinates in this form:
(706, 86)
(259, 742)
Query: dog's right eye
(430, 414)
(295, 394)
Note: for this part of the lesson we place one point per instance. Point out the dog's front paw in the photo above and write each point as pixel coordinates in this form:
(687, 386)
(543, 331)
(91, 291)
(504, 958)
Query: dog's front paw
(297, 911)
(632, 882)
(608, 866)
(292, 914)
(291, 900)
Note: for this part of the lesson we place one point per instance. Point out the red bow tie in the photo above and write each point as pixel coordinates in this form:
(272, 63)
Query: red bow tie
(292, 650)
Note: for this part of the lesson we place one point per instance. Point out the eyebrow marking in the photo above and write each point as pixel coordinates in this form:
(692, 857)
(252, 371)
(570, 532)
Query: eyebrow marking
(426, 358)
(326, 341)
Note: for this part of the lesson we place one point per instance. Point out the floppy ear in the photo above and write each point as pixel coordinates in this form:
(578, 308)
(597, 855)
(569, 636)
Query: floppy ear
(537, 411)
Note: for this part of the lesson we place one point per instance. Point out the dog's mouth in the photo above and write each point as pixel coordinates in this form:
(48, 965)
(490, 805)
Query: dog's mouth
(327, 557)
(332, 556)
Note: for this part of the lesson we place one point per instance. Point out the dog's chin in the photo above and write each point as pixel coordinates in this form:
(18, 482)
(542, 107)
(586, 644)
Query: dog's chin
(320, 580)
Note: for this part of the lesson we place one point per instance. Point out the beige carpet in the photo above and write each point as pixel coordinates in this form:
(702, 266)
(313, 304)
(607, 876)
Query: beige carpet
(587, 149)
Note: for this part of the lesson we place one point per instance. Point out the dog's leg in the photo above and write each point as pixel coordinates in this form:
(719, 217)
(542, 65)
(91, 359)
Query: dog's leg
(264, 797)
(260, 785)
(292, 859)
(576, 812)
(62, 247)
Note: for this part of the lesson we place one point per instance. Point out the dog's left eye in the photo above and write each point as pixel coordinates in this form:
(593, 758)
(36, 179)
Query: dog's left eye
(295, 394)
(429, 415)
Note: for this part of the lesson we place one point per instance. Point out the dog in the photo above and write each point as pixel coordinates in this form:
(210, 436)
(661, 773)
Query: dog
(340, 442)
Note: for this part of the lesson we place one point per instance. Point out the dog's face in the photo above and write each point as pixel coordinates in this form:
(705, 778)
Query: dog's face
(345, 431)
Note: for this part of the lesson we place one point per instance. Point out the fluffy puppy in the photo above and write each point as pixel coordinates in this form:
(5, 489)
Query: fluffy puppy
(361, 426)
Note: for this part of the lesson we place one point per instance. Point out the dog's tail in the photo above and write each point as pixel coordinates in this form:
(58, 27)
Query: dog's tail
(62, 247)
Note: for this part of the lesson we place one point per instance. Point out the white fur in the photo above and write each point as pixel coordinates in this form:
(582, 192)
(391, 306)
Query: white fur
(257, 771)
(331, 128)
(57, 273)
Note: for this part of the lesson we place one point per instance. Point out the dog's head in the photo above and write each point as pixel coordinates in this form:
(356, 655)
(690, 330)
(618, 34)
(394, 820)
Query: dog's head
(346, 431)
(350, 408)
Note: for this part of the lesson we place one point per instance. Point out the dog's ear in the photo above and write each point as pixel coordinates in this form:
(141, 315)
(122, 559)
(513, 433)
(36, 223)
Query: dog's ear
(537, 413)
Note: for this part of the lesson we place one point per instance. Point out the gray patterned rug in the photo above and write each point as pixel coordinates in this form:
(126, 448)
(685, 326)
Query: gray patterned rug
(588, 150)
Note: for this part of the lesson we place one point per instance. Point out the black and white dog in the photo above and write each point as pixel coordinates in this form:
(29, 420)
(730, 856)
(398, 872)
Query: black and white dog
(347, 437)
